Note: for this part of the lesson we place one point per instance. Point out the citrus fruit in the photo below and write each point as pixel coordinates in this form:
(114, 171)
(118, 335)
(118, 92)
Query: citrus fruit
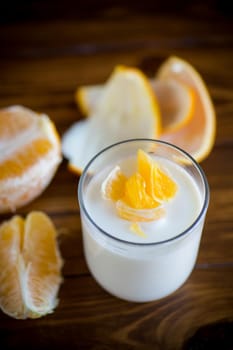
(127, 109)
(29, 156)
(113, 186)
(87, 97)
(140, 196)
(139, 215)
(135, 195)
(135, 228)
(159, 184)
(198, 134)
(30, 266)
(176, 102)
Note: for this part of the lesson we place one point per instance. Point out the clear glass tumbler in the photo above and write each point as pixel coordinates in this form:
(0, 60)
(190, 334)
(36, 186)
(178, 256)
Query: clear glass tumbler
(134, 271)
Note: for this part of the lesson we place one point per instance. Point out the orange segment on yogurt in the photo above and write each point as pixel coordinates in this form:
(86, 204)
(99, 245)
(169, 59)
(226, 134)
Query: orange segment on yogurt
(140, 196)
(139, 215)
(114, 185)
(159, 184)
(135, 195)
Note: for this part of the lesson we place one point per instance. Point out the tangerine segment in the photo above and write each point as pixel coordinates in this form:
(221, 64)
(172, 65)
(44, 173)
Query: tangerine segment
(11, 301)
(30, 266)
(163, 188)
(135, 193)
(159, 185)
(139, 215)
(113, 186)
(43, 262)
(23, 159)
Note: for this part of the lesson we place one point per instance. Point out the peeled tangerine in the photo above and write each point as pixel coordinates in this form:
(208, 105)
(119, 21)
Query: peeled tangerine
(30, 153)
(30, 266)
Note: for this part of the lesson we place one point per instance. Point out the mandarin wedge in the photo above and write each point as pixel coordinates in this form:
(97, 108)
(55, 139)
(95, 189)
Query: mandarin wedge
(30, 266)
(140, 196)
(113, 186)
(159, 185)
(30, 153)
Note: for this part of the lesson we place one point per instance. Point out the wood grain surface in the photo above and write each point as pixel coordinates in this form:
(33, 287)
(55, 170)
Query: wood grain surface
(42, 61)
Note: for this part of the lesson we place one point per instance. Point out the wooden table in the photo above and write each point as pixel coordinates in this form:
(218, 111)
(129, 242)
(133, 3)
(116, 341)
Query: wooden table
(42, 61)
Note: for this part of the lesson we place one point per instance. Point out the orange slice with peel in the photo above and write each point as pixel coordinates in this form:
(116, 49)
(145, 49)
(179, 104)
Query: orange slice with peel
(30, 266)
(87, 97)
(30, 153)
(176, 102)
(127, 109)
(198, 135)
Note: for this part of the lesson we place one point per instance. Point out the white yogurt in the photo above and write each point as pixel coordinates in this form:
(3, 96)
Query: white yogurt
(132, 267)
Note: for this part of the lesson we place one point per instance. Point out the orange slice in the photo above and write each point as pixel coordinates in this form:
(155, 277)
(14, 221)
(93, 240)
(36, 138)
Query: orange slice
(127, 109)
(30, 266)
(175, 101)
(198, 135)
(159, 184)
(29, 156)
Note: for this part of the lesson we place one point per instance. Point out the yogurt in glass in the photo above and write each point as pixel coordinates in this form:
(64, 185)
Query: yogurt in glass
(146, 267)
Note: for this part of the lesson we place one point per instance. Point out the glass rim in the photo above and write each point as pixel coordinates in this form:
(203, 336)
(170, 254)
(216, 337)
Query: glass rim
(185, 232)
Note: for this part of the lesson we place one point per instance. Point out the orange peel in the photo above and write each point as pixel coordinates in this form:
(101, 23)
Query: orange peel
(198, 135)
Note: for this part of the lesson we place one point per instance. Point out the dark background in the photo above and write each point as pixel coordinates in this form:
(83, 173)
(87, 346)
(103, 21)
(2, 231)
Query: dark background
(26, 10)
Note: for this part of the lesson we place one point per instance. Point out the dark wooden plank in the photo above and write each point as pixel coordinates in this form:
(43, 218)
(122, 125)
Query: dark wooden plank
(87, 317)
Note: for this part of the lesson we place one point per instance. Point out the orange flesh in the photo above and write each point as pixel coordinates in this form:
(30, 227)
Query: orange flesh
(139, 197)
(22, 160)
(30, 265)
